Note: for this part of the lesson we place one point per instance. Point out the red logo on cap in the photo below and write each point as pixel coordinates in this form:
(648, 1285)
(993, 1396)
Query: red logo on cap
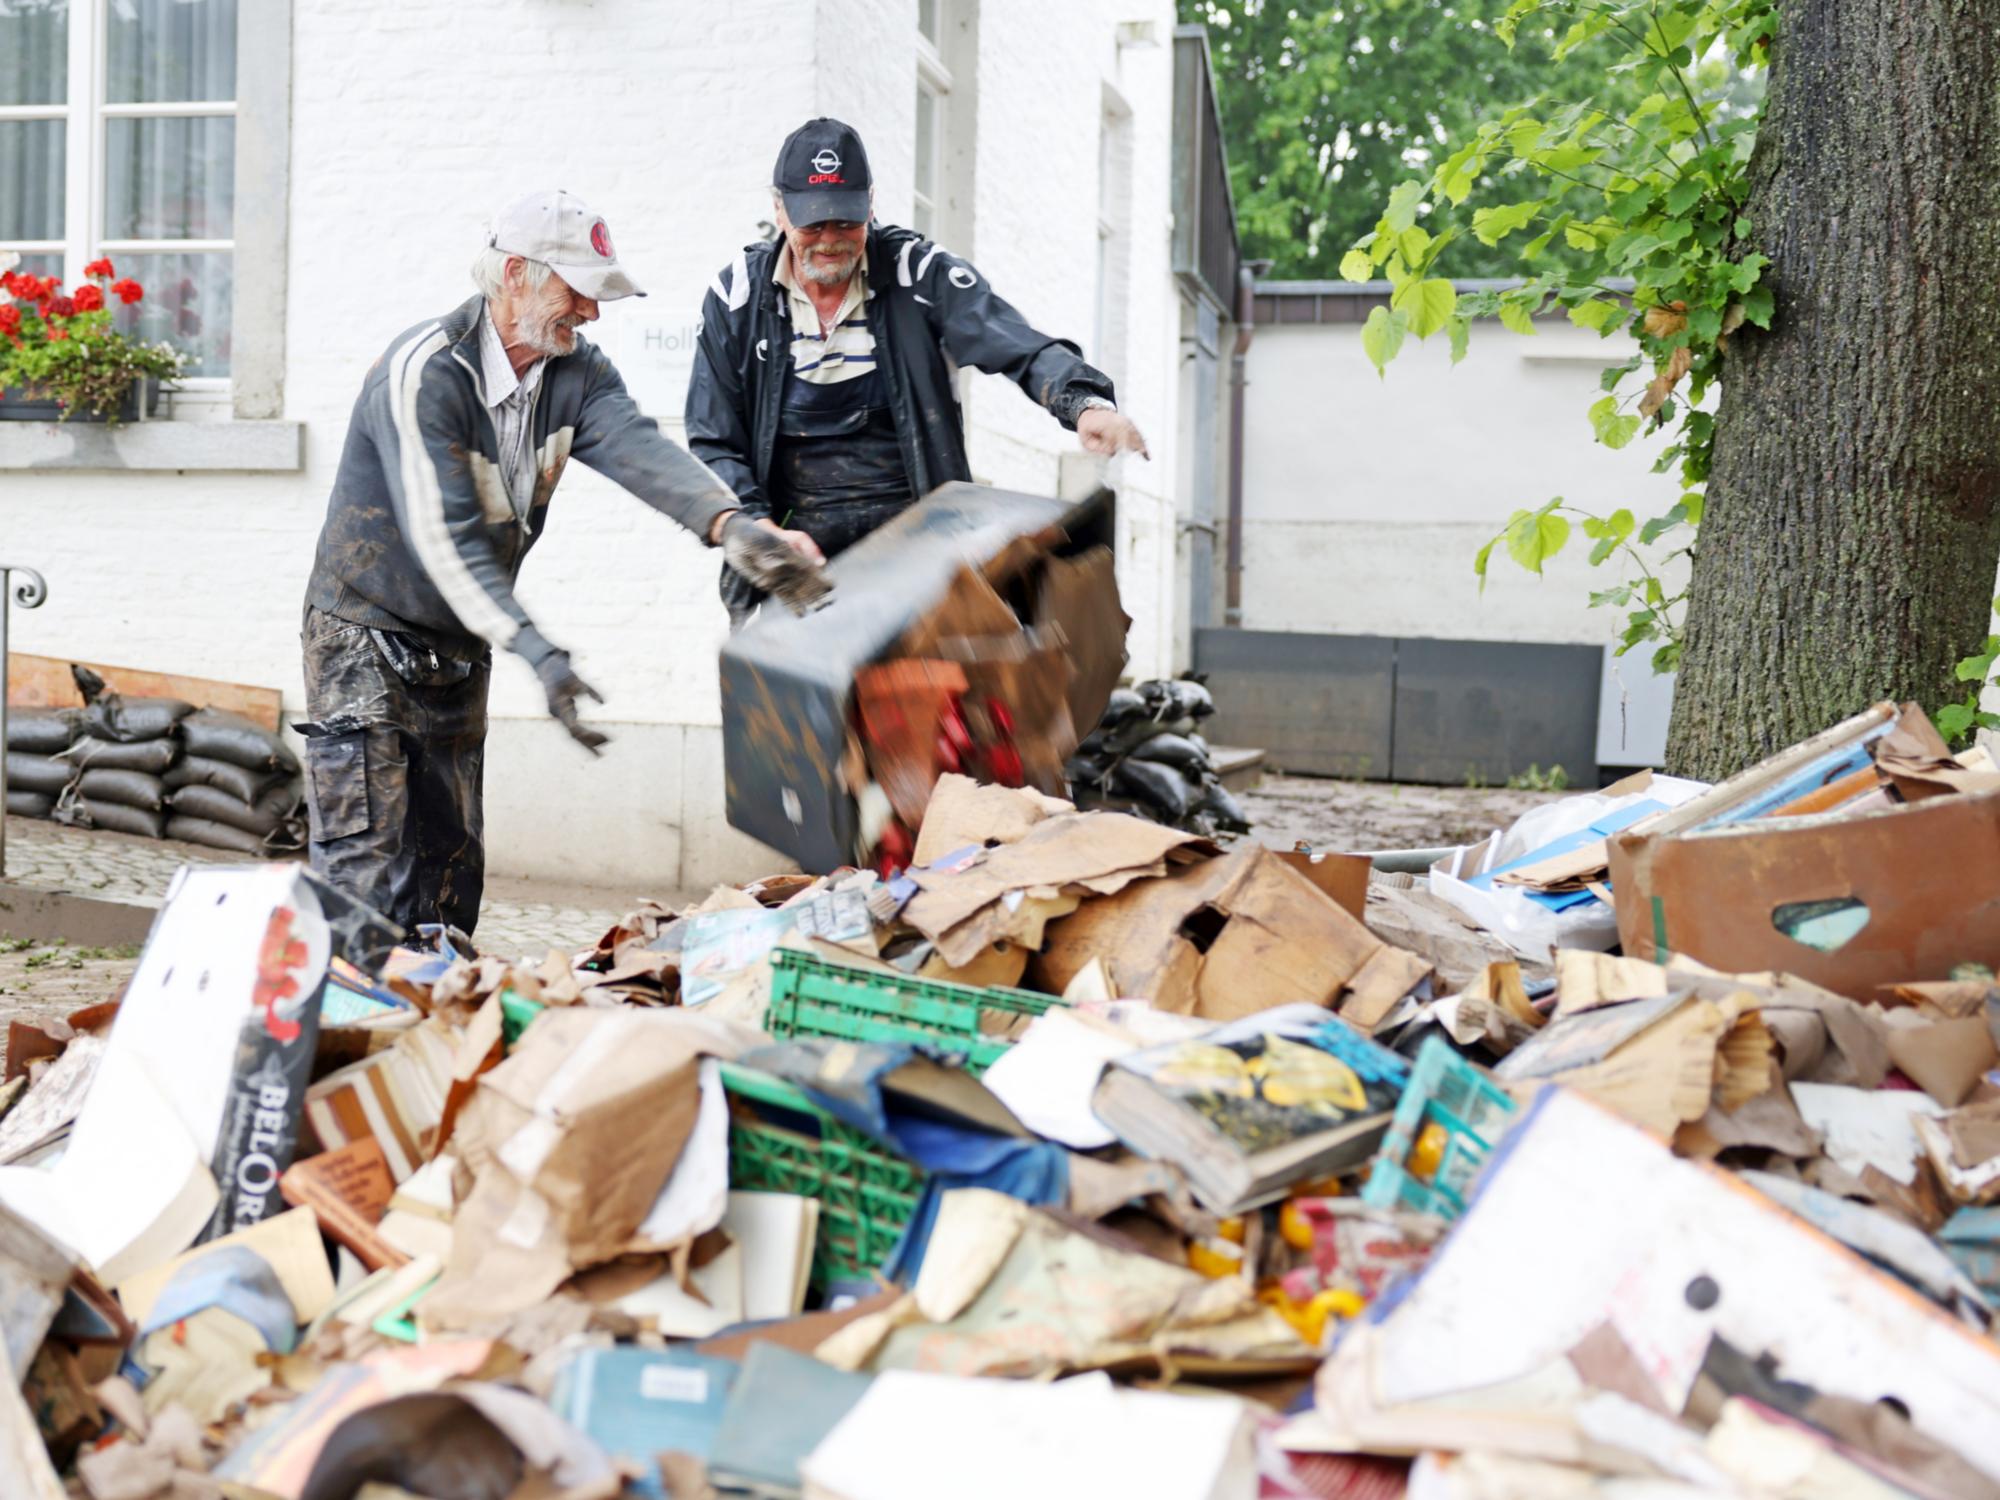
(600, 239)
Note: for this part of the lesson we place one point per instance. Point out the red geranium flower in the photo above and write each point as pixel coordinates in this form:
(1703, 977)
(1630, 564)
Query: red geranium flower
(57, 335)
(62, 307)
(10, 318)
(88, 298)
(100, 268)
(128, 291)
(43, 289)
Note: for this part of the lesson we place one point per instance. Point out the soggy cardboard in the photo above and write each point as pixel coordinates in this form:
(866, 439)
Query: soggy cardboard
(1923, 871)
(1229, 937)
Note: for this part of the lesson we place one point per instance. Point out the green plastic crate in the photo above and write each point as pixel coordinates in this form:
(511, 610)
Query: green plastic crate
(516, 1011)
(1444, 1089)
(866, 1193)
(812, 997)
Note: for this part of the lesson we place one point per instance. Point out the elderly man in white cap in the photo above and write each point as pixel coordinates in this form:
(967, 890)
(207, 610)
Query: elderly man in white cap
(455, 446)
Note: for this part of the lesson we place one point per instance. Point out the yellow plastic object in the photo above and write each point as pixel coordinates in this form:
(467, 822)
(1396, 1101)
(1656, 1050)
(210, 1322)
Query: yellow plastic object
(1428, 1154)
(1233, 1230)
(1214, 1259)
(1294, 1228)
(1308, 1319)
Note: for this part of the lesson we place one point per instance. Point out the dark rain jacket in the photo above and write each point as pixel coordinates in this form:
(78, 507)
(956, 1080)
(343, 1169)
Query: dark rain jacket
(421, 534)
(928, 310)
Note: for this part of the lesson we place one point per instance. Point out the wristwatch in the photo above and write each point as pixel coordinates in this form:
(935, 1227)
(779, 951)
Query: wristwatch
(1098, 402)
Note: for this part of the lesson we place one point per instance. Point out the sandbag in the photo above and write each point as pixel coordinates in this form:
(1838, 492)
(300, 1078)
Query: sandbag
(1158, 786)
(41, 731)
(152, 756)
(1173, 750)
(261, 818)
(29, 804)
(126, 788)
(213, 835)
(1177, 699)
(37, 773)
(1219, 804)
(115, 717)
(120, 818)
(243, 784)
(220, 735)
(1135, 732)
(1123, 704)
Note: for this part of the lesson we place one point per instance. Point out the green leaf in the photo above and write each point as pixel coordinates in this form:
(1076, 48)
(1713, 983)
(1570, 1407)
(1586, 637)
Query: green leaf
(1613, 429)
(1612, 374)
(1516, 318)
(1460, 331)
(1975, 668)
(1758, 306)
(1619, 596)
(1954, 719)
(1705, 323)
(1356, 266)
(1427, 304)
(1382, 336)
(1742, 227)
(1479, 562)
(1412, 243)
(1667, 658)
(1535, 536)
(1660, 525)
(1492, 225)
(1683, 195)
(1693, 503)
(1599, 314)
(1579, 237)
(1404, 199)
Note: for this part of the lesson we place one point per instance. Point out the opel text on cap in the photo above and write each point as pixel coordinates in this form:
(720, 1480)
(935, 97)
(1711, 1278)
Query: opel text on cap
(823, 174)
(560, 230)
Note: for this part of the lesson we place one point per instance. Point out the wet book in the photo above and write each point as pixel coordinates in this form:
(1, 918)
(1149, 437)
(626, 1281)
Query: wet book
(1253, 1106)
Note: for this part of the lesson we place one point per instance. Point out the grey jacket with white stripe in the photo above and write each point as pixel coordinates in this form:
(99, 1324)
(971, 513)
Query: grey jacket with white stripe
(420, 532)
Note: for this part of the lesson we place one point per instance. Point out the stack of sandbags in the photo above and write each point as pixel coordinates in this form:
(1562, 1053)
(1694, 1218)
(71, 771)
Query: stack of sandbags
(119, 758)
(236, 786)
(37, 775)
(1145, 757)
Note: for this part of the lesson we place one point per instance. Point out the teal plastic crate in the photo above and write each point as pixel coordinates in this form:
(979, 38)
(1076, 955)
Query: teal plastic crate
(813, 997)
(782, 1142)
(1446, 1090)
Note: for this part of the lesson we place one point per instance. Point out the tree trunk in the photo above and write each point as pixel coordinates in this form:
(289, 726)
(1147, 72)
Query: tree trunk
(1848, 546)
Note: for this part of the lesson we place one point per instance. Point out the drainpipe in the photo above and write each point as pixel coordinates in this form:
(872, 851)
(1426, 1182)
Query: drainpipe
(1246, 304)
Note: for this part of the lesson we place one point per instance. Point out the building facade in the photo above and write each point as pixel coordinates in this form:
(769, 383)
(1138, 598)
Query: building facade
(296, 181)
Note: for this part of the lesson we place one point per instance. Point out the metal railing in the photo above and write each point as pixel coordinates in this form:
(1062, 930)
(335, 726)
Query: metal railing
(29, 594)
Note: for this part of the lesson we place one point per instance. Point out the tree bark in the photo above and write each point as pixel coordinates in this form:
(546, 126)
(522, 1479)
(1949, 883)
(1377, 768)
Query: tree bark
(1847, 550)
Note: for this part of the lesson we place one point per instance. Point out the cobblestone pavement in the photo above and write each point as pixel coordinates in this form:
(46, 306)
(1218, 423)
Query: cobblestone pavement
(1372, 815)
(520, 919)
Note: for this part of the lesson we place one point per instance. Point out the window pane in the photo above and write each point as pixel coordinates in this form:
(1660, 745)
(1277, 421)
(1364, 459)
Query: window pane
(169, 179)
(34, 51)
(40, 263)
(170, 50)
(31, 179)
(926, 141)
(186, 303)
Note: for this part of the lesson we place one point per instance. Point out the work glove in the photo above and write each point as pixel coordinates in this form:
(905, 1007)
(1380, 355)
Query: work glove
(563, 687)
(772, 564)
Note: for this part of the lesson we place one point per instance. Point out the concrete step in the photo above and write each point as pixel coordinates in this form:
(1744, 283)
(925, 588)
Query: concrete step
(1239, 767)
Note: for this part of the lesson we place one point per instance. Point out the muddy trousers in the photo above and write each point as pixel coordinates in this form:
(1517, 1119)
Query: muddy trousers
(393, 776)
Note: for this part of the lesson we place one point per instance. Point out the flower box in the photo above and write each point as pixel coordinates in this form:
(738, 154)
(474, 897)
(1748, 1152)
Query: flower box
(142, 400)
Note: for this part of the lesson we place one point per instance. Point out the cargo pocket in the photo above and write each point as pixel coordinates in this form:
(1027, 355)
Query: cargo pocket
(337, 785)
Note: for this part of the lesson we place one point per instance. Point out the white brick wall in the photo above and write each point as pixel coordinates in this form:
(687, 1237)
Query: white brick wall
(411, 119)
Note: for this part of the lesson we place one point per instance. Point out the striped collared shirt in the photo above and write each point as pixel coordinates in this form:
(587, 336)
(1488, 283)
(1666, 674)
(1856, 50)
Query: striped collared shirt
(510, 398)
(846, 351)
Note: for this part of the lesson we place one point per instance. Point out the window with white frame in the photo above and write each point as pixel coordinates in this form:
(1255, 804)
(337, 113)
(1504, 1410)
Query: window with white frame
(118, 138)
(933, 84)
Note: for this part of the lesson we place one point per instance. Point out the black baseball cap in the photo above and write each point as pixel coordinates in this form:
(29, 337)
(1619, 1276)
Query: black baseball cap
(822, 174)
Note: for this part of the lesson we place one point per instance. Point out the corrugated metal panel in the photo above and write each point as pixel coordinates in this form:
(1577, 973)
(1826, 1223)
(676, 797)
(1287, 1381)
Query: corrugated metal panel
(1487, 710)
(1318, 703)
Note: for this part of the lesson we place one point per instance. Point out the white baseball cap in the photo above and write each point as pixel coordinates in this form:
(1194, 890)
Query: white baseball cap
(560, 230)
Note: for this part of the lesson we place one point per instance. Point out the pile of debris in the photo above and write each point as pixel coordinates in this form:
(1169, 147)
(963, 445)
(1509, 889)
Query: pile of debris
(156, 767)
(1078, 1126)
(1147, 757)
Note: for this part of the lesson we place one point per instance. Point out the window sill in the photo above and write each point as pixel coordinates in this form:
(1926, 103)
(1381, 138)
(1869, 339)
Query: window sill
(154, 447)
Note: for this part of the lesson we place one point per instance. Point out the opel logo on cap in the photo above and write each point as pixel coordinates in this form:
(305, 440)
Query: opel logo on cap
(826, 160)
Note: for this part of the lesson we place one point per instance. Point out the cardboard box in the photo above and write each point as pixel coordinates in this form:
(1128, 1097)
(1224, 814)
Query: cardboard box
(1924, 873)
(1229, 936)
(788, 681)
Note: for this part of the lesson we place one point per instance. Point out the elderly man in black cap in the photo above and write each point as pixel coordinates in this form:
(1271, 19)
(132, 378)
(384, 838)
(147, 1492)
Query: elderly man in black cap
(822, 390)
